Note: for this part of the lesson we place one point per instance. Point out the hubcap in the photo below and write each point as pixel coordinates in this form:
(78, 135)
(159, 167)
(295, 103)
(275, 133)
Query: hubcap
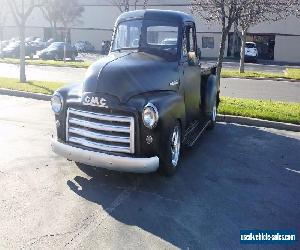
(214, 113)
(175, 146)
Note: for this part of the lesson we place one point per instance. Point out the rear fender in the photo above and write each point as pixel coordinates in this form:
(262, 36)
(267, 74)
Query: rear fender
(210, 94)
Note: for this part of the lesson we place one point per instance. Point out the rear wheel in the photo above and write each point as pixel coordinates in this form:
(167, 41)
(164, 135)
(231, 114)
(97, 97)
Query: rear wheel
(213, 115)
(170, 161)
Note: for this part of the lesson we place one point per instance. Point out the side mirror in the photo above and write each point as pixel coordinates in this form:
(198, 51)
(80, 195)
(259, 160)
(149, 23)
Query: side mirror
(199, 53)
(192, 58)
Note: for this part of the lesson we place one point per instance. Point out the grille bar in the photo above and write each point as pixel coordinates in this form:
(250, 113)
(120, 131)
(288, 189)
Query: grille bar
(103, 117)
(98, 136)
(100, 146)
(99, 126)
(100, 131)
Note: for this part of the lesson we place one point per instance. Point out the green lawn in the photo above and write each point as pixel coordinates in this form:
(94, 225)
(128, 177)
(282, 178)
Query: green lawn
(289, 74)
(72, 64)
(266, 110)
(32, 86)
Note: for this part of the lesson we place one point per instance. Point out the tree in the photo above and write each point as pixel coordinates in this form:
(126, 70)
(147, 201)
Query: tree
(21, 10)
(3, 17)
(51, 11)
(124, 5)
(225, 12)
(70, 14)
(257, 11)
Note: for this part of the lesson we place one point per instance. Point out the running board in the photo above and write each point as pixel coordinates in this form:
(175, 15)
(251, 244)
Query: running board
(194, 131)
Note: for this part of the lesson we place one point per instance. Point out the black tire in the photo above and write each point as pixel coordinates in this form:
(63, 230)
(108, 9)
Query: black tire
(73, 57)
(169, 163)
(56, 57)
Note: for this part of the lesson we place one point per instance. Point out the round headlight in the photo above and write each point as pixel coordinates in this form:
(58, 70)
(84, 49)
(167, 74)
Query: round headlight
(150, 116)
(56, 103)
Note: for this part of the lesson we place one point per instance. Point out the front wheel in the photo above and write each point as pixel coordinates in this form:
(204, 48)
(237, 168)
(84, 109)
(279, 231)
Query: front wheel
(56, 57)
(170, 160)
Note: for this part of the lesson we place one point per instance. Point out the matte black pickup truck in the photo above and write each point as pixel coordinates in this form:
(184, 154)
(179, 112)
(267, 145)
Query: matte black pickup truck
(139, 105)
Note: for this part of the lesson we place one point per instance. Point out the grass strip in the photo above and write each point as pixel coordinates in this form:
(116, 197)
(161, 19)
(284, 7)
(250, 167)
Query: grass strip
(42, 87)
(293, 74)
(261, 109)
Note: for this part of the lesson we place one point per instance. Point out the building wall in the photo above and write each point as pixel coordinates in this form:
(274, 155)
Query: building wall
(210, 52)
(287, 48)
(99, 17)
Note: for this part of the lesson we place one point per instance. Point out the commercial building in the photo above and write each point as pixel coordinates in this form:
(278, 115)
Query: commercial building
(278, 41)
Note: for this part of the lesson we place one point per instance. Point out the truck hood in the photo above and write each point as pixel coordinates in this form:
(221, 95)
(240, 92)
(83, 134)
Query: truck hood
(130, 73)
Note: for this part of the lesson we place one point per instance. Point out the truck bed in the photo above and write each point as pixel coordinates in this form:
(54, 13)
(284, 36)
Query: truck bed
(207, 67)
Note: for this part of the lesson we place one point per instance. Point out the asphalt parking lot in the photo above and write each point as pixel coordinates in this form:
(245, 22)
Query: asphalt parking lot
(236, 177)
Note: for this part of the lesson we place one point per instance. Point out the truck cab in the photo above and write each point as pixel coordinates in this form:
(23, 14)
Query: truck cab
(139, 106)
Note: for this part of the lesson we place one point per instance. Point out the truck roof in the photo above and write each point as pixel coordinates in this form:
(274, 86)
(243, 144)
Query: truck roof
(156, 14)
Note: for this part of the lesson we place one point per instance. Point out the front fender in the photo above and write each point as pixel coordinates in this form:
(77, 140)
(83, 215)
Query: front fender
(170, 107)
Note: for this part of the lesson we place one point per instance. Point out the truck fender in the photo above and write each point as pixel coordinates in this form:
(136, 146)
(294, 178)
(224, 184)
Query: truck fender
(172, 109)
(210, 95)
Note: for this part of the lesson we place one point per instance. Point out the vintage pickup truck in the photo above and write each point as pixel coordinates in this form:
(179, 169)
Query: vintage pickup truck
(142, 103)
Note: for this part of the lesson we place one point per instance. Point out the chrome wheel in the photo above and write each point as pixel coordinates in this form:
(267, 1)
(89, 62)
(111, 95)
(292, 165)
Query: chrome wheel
(214, 113)
(175, 145)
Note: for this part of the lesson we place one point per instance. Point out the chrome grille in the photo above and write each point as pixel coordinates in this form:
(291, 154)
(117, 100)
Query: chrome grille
(100, 131)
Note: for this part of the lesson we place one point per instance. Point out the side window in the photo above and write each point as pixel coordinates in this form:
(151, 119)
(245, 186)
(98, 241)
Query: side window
(189, 40)
(192, 31)
(184, 45)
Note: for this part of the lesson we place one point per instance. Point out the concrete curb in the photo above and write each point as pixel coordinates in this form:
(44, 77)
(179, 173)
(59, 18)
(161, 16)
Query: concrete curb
(263, 78)
(258, 122)
(221, 118)
(36, 96)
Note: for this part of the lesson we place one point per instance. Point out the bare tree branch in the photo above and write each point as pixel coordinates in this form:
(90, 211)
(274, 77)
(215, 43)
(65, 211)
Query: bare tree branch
(21, 11)
(124, 5)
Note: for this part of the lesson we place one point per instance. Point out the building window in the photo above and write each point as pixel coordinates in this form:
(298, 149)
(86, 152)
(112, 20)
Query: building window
(208, 42)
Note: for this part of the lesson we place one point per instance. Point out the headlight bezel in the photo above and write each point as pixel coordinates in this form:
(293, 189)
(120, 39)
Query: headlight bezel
(152, 108)
(60, 98)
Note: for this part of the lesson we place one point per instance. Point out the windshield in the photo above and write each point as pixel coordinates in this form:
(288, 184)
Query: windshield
(250, 45)
(56, 45)
(147, 35)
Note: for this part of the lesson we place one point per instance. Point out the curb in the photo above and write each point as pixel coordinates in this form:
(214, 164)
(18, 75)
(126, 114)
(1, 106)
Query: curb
(263, 78)
(18, 93)
(221, 118)
(258, 122)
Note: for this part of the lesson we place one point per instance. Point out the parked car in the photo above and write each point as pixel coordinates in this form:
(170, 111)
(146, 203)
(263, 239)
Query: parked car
(139, 105)
(251, 52)
(84, 47)
(50, 41)
(56, 52)
(4, 43)
(30, 39)
(13, 50)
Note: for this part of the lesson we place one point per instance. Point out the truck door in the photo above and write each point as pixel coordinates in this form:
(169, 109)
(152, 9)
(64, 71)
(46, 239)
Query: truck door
(191, 76)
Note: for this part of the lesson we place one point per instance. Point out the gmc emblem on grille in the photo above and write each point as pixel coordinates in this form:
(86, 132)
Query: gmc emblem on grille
(95, 101)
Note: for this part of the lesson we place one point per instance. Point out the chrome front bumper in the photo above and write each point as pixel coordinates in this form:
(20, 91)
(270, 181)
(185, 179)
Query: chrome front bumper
(102, 160)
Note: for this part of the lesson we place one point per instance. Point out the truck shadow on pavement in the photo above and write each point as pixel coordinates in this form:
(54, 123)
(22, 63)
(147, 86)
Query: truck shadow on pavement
(236, 177)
